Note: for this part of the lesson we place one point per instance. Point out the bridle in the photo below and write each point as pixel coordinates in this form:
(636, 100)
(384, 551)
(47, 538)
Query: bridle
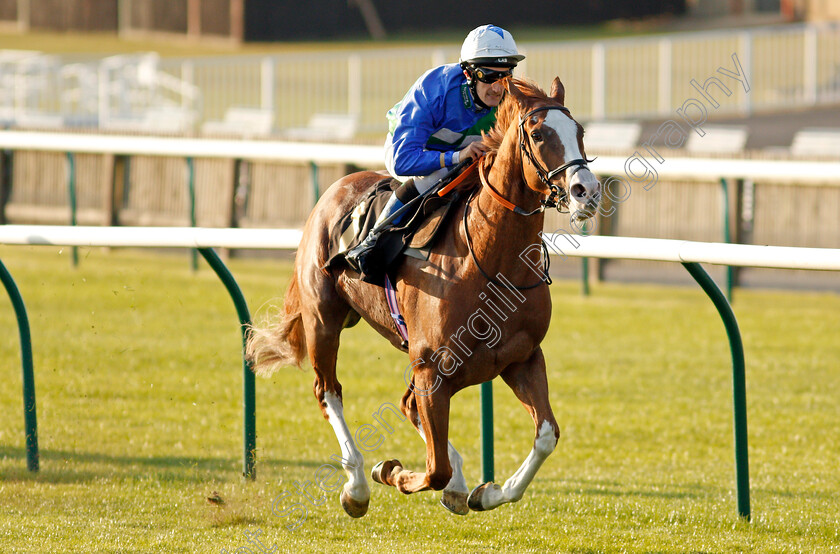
(557, 197)
(544, 175)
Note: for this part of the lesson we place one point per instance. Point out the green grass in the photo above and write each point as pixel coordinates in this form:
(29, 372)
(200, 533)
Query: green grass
(139, 388)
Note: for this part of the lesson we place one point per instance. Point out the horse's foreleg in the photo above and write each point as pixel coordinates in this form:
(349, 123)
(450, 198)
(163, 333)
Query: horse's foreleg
(433, 413)
(454, 497)
(529, 383)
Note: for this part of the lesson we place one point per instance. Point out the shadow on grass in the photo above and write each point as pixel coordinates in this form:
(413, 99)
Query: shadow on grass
(828, 494)
(58, 466)
(641, 493)
(618, 489)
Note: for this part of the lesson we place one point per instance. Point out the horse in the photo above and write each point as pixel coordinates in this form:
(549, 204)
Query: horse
(535, 153)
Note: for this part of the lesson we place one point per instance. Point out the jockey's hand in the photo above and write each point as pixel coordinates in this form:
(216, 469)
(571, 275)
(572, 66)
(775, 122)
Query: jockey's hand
(473, 150)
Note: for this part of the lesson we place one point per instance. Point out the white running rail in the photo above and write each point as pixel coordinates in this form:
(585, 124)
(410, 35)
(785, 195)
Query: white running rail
(662, 250)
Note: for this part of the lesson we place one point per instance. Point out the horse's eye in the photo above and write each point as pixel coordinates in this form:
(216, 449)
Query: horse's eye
(537, 136)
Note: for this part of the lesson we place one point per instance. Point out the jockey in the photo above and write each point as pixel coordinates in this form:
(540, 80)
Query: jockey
(439, 121)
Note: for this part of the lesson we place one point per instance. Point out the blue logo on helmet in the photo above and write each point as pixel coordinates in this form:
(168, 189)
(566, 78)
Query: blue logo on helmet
(498, 30)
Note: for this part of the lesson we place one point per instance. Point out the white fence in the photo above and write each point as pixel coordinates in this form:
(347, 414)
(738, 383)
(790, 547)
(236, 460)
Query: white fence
(628, 248)
(684, 251)
(778, 171)
(786, 66)
(150, 237)
(366, 156)
(779, 201)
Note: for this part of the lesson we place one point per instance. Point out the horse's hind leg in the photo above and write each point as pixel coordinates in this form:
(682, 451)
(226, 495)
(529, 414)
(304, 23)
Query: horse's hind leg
(454, 496)
(323, 324)
(529, 383)
(355, 496)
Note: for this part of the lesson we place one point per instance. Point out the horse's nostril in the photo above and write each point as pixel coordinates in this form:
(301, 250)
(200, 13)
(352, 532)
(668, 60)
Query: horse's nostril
(578, 191)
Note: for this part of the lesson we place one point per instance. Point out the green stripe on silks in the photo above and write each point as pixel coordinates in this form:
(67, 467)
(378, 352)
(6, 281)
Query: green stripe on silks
(391, 116)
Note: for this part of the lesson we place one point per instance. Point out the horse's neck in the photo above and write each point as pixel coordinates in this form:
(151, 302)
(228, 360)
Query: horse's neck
(498, 234)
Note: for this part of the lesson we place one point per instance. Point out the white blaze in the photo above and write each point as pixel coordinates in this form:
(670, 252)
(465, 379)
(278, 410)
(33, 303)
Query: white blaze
(566, 129)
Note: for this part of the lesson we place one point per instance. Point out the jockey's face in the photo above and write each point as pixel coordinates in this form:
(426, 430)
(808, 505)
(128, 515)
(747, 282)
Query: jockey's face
(491, 93)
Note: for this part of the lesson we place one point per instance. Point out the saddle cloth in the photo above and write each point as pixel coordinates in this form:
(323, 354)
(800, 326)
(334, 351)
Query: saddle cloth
(414, 236)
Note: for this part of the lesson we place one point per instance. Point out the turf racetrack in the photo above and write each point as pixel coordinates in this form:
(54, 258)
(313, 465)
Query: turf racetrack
(138, 376)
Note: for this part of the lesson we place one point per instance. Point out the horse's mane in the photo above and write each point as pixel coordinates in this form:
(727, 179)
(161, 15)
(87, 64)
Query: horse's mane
(508, 111)
(506, 114)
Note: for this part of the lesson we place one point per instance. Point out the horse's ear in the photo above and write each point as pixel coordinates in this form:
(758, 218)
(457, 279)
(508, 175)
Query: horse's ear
(515, 92)
(558, 91)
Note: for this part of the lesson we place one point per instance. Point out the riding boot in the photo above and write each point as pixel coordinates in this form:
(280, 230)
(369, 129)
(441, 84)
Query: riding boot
(356, 256)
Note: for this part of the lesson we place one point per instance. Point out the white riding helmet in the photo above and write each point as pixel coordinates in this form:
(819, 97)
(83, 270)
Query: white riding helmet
(490, 45)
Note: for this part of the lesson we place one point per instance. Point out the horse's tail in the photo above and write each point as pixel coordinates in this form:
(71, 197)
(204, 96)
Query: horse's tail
(281, 342)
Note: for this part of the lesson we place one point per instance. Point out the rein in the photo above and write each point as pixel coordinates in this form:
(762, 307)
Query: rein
(504, 201)
(545, 279)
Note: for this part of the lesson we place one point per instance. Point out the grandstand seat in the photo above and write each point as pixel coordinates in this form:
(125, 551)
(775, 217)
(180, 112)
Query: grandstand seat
(246, 122)
(612, 135)
(816, 141)
(719, 139)
(326, 126)
(161, 119)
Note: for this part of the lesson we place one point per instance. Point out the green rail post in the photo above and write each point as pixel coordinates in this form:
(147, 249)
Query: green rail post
(29, 405)
(316, 190)
(248, 384)
(29, 413)
(191, 189)
(488, 472)
(584, 265)
(6, 178)
(584, 275)
(71, 193)
(727, 236)
(739, 385)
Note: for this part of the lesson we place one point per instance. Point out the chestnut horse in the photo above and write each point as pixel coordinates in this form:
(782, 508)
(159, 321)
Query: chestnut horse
(458, 334)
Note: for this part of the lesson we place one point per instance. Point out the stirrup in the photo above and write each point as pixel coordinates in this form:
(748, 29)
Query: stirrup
(357, 255)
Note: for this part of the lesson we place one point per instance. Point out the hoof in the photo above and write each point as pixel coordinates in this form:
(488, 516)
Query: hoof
(353, 507)
(482, 495)
(455, 502)
(383, 469)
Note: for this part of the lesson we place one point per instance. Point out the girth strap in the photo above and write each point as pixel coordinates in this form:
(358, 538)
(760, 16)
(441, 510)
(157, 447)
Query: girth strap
(394, 308)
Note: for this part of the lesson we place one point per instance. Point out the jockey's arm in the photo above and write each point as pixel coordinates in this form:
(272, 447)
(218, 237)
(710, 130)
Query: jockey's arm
(418, 118)
(414, 126)
(412, 158)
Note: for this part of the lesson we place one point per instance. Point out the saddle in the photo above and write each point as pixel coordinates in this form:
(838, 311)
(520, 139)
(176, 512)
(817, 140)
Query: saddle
(414, 236)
